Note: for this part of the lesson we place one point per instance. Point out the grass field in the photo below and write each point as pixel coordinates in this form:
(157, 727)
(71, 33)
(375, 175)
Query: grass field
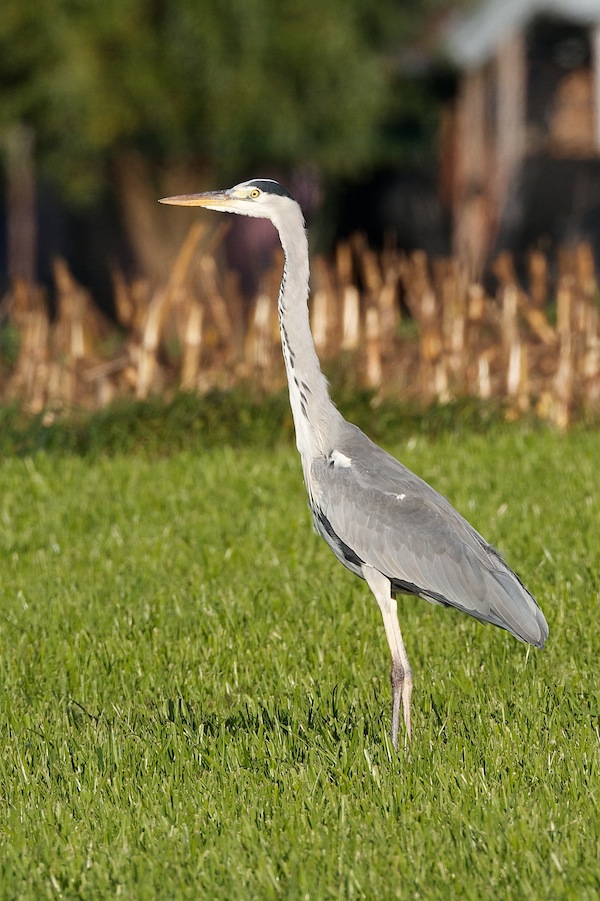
(195, 695)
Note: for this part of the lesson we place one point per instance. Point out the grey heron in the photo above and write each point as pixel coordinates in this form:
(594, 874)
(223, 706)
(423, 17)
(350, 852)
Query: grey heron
(381, 521)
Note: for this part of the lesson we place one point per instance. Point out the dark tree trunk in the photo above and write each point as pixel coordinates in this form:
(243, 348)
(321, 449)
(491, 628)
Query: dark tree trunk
(21, 204)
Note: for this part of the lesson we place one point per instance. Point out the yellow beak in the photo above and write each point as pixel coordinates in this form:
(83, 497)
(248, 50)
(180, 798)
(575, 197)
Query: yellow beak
(210, 198)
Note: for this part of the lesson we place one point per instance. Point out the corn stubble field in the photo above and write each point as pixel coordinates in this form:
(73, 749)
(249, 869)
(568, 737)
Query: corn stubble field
(403, 325)
(195, 694)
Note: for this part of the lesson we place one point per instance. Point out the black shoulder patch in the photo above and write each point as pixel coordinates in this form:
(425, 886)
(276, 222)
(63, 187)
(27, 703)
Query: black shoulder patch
(269, 186)
(327, 530)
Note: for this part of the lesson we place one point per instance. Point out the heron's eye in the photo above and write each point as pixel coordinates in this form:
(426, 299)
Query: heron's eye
(254, 193)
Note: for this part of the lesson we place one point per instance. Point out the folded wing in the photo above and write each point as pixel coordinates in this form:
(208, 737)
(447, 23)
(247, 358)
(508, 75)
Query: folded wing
(372, 509)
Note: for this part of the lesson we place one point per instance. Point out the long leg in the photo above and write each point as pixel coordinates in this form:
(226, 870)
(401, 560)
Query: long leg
(401, 674)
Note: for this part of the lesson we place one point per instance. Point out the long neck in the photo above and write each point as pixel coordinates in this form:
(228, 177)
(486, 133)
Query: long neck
(315, 417)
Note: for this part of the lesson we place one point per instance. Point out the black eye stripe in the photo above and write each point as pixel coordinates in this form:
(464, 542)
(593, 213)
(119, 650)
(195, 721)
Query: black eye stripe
(270, 187)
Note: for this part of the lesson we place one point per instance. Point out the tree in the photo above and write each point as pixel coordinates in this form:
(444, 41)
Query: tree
(145, 93)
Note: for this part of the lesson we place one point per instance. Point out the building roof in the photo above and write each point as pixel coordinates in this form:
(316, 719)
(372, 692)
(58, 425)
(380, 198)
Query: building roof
(474, 38)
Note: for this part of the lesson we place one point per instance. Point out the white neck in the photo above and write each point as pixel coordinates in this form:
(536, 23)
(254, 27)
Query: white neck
(315, 417)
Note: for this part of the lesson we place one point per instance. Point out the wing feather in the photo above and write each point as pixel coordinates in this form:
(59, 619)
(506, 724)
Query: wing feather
(392, 520)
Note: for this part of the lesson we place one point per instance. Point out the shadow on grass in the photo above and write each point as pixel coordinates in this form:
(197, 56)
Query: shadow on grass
(326, 715)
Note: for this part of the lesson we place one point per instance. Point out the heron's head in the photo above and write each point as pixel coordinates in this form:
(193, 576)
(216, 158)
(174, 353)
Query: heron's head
(259, 197)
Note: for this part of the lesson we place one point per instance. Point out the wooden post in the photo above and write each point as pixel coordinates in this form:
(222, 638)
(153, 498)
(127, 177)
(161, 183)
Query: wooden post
(471, 144)
(470, 208)
(509, 134)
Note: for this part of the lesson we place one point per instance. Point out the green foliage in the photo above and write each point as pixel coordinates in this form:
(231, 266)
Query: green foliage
(154, 427)
(195, 699)
(230, 84)
(234, 418)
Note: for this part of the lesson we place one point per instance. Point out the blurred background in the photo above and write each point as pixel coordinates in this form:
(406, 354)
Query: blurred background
(447, 152)
(108, 106)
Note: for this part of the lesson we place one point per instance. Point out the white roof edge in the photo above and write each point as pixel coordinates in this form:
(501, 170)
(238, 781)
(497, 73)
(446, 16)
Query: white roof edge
(472, 39)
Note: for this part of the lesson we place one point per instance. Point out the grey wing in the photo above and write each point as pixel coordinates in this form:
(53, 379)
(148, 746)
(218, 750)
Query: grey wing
(372, 509)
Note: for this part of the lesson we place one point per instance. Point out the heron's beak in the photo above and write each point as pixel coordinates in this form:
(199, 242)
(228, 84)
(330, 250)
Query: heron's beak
(210, 199)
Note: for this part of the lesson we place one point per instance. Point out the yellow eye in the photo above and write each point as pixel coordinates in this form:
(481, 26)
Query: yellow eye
(254, 193)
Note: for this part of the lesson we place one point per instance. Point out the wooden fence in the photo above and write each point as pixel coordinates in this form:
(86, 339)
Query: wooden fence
(400, 323)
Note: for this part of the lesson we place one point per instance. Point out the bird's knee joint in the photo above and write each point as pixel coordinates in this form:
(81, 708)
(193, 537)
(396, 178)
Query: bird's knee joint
(397, 674)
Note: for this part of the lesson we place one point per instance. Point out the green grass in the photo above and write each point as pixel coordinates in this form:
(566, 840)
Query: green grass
(195, 694)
